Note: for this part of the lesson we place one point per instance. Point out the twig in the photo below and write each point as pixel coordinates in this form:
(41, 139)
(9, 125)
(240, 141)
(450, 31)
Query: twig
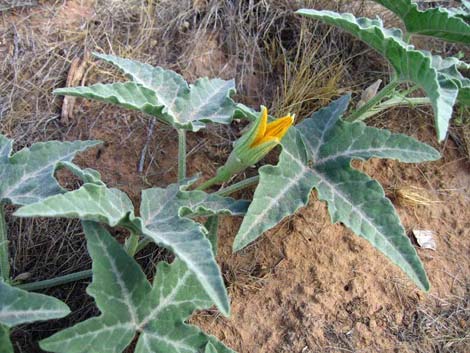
(76, 73)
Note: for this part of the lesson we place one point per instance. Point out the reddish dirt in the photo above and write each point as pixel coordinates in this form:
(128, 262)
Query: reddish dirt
(310, 286)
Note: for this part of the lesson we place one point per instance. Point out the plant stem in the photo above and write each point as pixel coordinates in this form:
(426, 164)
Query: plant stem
(181, 155)
(396, 102)
(132, 243)
(238, 186)
(4, 262)
(385, 92)
(73, 277)
(208, 184)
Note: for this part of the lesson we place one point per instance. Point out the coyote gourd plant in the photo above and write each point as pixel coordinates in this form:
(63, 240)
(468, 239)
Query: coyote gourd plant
(27, 177)
(315, 154)
(440, 78)
(129, 304)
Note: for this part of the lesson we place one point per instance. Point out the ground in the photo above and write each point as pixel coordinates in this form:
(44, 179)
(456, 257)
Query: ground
(305, 286)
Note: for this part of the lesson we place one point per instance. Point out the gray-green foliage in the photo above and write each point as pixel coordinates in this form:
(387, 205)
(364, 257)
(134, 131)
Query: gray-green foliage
(450, 69)
(130, 305)
(317, 154)
(409, 63)
(19, 307)
(27, 176)
(437, 22)
(164, 220)
(164, 94)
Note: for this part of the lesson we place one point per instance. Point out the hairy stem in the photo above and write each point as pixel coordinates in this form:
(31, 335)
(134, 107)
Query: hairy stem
(396, 102)
(4, 262)
(384, 93)
(208, 183)
(238, 186)
(181, 155)
(132, 243)
(48, 283)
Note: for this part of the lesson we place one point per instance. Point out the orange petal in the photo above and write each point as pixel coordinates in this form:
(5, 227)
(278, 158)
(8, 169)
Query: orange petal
(261, 127)
(279, 127)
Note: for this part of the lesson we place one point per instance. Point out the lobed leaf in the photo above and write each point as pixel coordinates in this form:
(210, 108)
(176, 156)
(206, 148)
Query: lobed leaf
(437, 22)
(450, 68)
(410, 64)
(19, 307)
(281, 191)
(359, 141)
(28, 175)
(162, 221)
(130, 305)
(360, 204)
(128, 95)
(317, 153)
(164, 94)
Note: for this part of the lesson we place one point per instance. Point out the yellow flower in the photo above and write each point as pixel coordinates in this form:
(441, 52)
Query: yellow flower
(256, 143)
(273, 131)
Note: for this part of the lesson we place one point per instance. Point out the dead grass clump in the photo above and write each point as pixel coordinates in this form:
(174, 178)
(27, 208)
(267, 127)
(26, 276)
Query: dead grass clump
(443, 329)
(412, 196)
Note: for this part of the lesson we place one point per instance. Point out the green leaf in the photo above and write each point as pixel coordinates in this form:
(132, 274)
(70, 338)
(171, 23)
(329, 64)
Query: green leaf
(163, 221)
(18, 306)
(28, 175)
(87, 175)
(212, 226)
(210, 348)
(322, 161)
(358, 141)
(128, 95)
(437, 22)
(360, 204)
(282, 190)
(450, 68)
(285, 188)
(5, 343)
(161, 211)
(164, 94)
(409, 64)
(130, 305)
(167, 85)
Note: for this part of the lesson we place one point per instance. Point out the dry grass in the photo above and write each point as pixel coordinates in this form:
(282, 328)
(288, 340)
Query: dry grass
(442, 329)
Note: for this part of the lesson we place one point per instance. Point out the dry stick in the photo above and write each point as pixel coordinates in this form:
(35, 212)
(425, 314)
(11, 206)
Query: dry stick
(140, 168)
(76, 73)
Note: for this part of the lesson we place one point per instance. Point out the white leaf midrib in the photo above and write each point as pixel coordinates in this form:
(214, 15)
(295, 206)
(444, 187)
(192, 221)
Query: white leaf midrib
(363, 216)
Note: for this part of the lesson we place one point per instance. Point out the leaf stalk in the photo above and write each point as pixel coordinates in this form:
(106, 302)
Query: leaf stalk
(387, 91)
(54, 282)
(238, 186)
(181, 155)
(4, 262)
